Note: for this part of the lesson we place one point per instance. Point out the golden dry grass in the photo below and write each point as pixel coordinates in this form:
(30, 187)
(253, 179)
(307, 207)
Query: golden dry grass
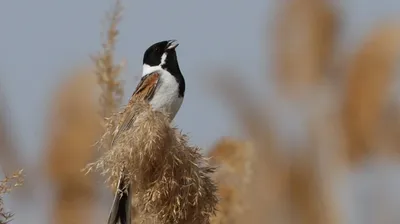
(268, 169)
(106, 70)
(74, 127)
(300, 188)
(370, 74)
(280, 187)
(285, 188)
(76, 124)
(233, 161)
(170, 178)
(6, 186)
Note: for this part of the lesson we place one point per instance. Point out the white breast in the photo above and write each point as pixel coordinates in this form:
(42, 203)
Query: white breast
(166, 97)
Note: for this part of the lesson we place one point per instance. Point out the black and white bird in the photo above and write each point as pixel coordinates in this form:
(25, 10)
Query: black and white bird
(162, 85)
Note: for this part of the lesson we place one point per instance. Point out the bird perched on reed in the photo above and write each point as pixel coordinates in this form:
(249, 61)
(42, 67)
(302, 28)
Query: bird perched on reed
(162, 85)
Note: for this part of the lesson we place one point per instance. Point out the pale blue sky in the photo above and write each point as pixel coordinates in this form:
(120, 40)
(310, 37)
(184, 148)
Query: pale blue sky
(40, 38)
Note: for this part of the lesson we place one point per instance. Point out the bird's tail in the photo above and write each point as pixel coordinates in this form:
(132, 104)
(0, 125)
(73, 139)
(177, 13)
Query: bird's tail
(121, 207)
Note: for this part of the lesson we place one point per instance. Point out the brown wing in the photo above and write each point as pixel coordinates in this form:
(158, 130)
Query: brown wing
(144, 91)
(146, 87)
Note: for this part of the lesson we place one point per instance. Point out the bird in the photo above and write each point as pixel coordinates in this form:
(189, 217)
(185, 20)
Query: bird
(162, 85)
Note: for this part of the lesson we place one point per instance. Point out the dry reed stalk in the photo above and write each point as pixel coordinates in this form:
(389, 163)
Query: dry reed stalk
(310, 198)
(106, 70)
(281, 188)
(233, 153)
(264, 194)
(306, 34)
(233, 159)
(6, 186)
(75, 126)
(305, 39)
(369, 76)
(315, 172)
(170, 178)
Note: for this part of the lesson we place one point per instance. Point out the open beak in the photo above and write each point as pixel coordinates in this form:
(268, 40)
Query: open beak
(172, 44)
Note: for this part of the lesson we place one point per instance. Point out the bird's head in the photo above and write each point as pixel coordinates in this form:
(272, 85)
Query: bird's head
(161, 55)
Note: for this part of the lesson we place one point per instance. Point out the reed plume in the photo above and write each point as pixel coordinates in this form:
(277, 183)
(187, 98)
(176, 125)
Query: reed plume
(106, 70)
(306, 31)
(74, 127)
(6, 186)
(370, 74)
(170, 178)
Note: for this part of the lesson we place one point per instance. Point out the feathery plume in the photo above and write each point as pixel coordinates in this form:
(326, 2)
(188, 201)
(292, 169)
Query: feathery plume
(6, 186)
(170, 178)
(106, 70)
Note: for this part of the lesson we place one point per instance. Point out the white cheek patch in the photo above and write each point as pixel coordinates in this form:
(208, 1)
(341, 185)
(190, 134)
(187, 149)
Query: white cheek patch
(163, 57)
(147, 69)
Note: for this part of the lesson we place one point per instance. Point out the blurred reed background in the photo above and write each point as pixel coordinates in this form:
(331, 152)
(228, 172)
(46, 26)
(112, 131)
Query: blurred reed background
(349, 110)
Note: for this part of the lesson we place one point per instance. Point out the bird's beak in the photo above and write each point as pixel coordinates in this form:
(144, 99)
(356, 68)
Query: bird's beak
(172, 44)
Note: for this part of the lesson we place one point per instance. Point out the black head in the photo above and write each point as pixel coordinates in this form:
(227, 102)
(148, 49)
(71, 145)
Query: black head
(159, 53)
(162, 55)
